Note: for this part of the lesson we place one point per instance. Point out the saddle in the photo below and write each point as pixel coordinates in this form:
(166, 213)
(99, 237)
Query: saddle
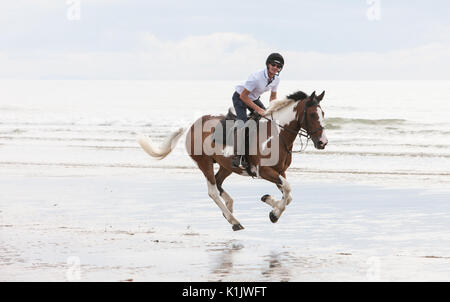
(224, 135)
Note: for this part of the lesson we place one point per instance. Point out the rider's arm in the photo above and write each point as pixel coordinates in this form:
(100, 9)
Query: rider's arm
(244, 97)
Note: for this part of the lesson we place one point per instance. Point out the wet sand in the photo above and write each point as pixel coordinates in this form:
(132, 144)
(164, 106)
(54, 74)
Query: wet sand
(156, 225)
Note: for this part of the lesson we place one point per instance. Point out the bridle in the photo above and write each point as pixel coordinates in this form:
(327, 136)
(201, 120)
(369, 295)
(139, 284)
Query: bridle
(300, 133)
(303, 132)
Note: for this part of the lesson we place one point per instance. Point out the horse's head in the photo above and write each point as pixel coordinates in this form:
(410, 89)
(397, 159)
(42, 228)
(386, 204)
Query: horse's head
(312, 120)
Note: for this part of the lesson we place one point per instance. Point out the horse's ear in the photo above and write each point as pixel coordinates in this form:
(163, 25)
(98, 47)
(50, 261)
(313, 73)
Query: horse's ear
(313, 95)
(320, 97)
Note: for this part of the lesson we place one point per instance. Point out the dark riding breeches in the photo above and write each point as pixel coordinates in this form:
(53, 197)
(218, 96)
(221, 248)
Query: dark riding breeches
(241, 118)
(241, 107)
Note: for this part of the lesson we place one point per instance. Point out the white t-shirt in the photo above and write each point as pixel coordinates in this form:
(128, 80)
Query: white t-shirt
(256, 84)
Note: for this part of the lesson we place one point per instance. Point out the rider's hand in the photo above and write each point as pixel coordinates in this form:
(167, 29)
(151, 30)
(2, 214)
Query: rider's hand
(261, 111)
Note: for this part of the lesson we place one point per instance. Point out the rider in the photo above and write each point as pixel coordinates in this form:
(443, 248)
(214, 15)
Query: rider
(247, 96)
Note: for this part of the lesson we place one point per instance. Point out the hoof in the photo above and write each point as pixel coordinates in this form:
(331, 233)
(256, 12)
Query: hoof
(272, 217)
(237, 227)
(263, 199)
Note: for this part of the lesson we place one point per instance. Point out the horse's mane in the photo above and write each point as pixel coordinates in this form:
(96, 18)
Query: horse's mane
(279, 104)
(297, 96)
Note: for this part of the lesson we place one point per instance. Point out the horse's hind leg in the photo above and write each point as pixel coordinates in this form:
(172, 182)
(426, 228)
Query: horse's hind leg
(220, 177)
(206, 165)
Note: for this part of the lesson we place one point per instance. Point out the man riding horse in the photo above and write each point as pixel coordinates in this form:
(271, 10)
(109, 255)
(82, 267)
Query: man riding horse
(247, 96)
(299, 114)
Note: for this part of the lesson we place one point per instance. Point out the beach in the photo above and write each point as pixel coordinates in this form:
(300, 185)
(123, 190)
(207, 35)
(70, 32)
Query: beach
(162, 226)
(81, 201)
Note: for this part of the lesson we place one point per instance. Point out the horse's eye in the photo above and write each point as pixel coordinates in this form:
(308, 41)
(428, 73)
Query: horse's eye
(314, 115)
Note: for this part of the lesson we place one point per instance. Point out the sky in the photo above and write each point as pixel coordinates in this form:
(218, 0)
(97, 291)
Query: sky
(224, 40)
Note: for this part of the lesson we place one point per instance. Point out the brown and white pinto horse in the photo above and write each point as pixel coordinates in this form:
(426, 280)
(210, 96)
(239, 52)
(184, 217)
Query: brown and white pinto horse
(288, 117)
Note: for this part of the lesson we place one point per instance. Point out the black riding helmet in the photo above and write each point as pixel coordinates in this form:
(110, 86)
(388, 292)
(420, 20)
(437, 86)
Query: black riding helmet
(277, 58)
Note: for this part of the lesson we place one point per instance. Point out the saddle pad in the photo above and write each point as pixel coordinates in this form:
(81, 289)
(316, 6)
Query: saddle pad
(221, 135)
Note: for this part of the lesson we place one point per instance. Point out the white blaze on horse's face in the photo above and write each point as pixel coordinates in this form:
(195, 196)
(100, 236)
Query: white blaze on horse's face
(323, 138)
(316, 128)
(316, 125)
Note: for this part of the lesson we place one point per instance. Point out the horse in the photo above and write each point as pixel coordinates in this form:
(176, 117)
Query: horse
(297, 114)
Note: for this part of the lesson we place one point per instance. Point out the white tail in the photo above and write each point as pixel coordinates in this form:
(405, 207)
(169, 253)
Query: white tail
(167, 146)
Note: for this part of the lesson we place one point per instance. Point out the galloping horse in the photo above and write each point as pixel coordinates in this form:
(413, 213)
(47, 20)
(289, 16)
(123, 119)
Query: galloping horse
(289, 117)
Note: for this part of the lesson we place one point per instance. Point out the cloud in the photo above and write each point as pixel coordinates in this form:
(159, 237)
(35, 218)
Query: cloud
(224, 56)
(428, 62)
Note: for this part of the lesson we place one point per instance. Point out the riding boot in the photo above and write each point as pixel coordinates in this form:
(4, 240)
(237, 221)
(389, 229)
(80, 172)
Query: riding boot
(241, 160)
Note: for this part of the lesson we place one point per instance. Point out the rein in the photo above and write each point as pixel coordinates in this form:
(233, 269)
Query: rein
(300, 133)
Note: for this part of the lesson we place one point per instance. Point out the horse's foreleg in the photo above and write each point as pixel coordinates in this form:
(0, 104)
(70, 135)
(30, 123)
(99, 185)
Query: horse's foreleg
(285, 188)
(269, 199)
(280, 206)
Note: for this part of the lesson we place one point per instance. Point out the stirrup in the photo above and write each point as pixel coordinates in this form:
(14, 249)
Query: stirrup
(235, 161)
(239, 161)
(244, 162)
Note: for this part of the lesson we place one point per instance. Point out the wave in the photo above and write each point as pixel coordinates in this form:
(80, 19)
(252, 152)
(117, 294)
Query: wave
(86, 123)
(82, 139)
(193, 168)
(384, 154)
(111, 148)
(336, 121)
(72, 130)
(302, 170)
(13, 131)
(95, 165)
(351, 143)
(424, 131)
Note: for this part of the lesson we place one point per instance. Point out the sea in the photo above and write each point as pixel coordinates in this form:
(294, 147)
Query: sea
(388, 133)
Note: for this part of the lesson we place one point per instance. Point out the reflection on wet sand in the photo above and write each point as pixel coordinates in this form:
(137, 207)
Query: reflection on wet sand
(278, 267)
(234, 262)
(223, 265)
(273, 267)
